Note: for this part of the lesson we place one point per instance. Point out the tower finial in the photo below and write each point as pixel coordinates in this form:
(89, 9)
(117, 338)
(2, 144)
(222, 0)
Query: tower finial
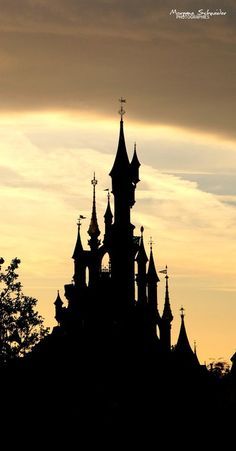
(108, 193)
(121, 110)
(167, 277)
(182, 312)
(94, 181)
(151, 242)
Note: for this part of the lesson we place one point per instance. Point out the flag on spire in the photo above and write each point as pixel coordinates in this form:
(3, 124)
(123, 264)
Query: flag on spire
(163, 271)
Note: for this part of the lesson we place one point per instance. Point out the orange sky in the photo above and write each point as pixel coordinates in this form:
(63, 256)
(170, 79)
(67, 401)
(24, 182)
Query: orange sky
(64, 64)
(45, 185)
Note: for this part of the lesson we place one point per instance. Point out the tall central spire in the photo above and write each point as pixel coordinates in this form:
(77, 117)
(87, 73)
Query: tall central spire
(93, 230)
(121, 163)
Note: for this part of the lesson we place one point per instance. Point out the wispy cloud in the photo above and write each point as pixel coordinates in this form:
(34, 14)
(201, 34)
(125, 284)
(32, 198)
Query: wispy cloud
(81, 55)
(45, 185)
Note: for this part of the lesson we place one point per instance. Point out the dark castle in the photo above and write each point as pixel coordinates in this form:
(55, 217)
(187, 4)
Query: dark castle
(111, 301)
(108, 367)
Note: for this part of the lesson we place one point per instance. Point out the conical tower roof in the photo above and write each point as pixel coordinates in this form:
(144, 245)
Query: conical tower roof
(58, 302)
(121, 163)
(93, 230)
(141, 256)
(78, 246)
(108, 213)
(134, 166)
(183, 348)
(152, 274)
(167, 313)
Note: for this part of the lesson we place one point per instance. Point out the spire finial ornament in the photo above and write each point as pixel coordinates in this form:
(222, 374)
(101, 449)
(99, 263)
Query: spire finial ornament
(151, 242)
(167, 277)
(121, 110)
(141, 230)
(182, 312)
(94, 181)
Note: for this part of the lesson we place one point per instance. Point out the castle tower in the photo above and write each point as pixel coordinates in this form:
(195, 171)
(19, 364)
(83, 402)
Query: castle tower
(142, 276)
(58, 308)
(134, 167)
(94, 242)
(108, 217)
(166, 320)
(93, 230)
(152, 281)
(78, 257)
(183, 348)
(124, 178)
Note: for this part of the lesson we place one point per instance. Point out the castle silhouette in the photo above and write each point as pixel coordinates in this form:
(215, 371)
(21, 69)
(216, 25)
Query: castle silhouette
(108, 365)
(112, 301)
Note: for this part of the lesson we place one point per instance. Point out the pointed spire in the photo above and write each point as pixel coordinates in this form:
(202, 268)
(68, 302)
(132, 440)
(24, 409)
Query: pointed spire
(167, 314)
(108, 213)
(58, 302)
(141, 256)
(152, 274)
(134, 166)
(187, 356)
(183, 342)
(121, 163)
(78, 247)
(142, 275)
(93, 230)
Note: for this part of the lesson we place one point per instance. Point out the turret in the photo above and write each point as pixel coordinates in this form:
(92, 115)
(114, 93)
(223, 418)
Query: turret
(152, 281)
(167, 318)
(58, 308)
(183, 349)
(78, 257)
(93, 230)
(134, 167)
(141, 260)
(108, 217)
(78, 250)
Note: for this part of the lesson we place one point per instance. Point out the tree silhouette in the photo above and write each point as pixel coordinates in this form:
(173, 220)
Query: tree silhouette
(219, 368)
(21, 327)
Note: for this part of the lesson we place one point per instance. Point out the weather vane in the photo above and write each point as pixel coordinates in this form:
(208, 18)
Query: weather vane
(122, 111)
(79, 220)
(108, 193)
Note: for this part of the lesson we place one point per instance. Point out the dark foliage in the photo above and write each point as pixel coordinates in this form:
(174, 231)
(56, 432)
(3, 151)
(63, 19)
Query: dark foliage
(21, 327)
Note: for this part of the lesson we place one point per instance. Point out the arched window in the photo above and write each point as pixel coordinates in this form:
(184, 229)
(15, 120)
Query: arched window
(106, 263)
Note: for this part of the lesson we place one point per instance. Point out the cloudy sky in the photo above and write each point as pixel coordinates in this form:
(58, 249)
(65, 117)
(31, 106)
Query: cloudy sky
(64, 64)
